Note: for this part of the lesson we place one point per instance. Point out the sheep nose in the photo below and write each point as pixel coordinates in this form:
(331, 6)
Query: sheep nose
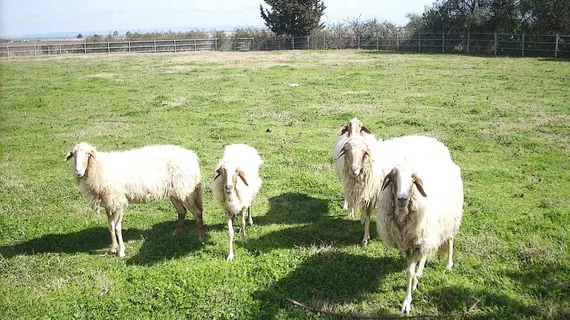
(355, 171)
(402, 199)
(229, 188)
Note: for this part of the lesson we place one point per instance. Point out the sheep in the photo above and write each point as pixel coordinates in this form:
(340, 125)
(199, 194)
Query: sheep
(353, 127)
(112, 180)
(233, 194)
(367, 162)
(420, 211)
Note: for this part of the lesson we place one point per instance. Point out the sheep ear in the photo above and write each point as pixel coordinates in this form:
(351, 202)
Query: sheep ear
(69, 156)
(218, 173)
(342, 152)
(343, 130)
(365, 130)
(388, 178)
(419, 184)
(242, 176)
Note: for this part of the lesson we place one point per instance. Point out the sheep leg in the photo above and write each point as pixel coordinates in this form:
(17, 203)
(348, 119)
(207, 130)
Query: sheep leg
(243, 234)
(119, 232)
(420, 272)
(231, 236)
(347, 206)
(366, 238)
(181, 215)
(249, 219)
(450, 253)
(111, 223)
(194, 204)
(407, 306)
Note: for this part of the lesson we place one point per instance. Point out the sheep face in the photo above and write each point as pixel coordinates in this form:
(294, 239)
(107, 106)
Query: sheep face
(354, 127)
(80, 154)
(357, 155)
(403, 181)
(229, 175)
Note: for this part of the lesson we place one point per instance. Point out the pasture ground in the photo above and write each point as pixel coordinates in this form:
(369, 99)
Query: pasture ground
(505, 120)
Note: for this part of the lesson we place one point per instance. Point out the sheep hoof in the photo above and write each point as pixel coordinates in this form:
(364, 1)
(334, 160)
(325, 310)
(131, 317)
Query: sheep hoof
(365, 242)
(250, 222)
(121, 254)
(230, 257)
(406, 308)
(449, 266)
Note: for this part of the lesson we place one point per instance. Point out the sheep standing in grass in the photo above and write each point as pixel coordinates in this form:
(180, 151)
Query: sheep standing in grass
(420, 212)
(112, 180)
(354, 127)
(367, 161)
(235, 185)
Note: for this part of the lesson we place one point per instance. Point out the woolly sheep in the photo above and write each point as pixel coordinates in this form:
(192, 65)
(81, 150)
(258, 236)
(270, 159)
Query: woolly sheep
(112, 180)
(420, 212)
(353, 127)
(367, 162)
(233, 194)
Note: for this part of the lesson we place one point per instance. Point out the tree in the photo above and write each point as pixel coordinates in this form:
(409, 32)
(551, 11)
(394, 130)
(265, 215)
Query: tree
(80, 36)
(116, 33)
(546, 16)
(293, 17)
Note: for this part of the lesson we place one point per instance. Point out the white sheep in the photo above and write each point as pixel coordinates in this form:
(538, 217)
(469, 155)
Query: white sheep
(233, 194)
(353, 127)
(112, 180)
(367, 162)
(420, 212)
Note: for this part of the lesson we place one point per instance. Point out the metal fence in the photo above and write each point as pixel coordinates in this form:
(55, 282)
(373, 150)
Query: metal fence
(556, 46)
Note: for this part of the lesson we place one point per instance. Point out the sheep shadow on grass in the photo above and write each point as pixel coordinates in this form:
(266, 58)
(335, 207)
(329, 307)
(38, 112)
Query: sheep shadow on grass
(328, 278)
(309, 223)
(159, 244)
(92, 240)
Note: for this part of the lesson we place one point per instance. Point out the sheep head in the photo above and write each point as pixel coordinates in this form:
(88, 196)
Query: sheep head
(357, 154)
(354, 127)
(81, 154)
(229, 175)
(403, 181)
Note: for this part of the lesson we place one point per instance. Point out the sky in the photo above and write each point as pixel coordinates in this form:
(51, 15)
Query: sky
(20, 18)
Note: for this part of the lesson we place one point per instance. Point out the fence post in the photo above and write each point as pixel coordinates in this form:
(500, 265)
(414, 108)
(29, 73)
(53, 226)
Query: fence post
(195, 45)
(556, 48)
(377, 42)
(35, 51)
(522, 44)
(60, 49)
(496, 43)
(419, 42)
(129, 46)
(108, 48)
(85, 47)
(154, 45)
(397, 41)
(468, 40)
(8, 51)
(174, 45)
(308, 45)
(442, 42)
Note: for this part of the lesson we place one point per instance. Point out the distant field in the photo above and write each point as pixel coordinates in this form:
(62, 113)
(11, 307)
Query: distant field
(506, 122)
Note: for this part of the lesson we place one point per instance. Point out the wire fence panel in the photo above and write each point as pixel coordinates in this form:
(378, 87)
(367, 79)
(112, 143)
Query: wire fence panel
(557, 46)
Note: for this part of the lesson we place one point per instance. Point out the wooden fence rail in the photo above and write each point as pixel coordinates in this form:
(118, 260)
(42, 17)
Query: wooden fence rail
(557, 46)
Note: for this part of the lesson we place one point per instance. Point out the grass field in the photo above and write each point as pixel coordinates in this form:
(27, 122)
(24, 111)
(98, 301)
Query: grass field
(506, 122)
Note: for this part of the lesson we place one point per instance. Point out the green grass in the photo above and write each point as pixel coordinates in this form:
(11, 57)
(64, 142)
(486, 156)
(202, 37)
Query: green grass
(506, 122)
